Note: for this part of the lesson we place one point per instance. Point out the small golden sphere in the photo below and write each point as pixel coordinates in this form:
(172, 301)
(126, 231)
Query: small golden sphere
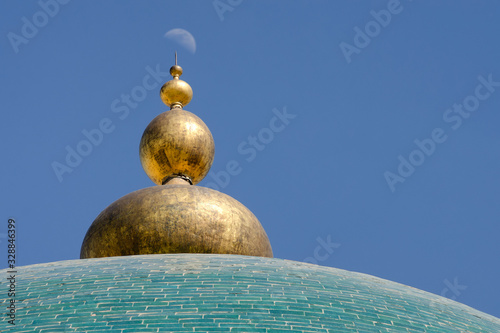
(176, 70)
(177, 143)
(176, 91)
(175, 219)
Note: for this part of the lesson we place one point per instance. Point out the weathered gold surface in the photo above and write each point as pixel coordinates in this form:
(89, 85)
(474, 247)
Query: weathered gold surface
(177, 142)
(176, 150)
(175, 219)
(176, 91)
(176, 70)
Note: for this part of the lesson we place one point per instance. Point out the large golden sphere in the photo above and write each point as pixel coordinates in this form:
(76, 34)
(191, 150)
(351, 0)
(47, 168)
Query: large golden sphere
(175, 143)
(176, 91)
(175, 219)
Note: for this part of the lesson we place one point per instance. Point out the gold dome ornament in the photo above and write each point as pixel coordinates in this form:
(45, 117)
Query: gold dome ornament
(176, 92)
(177, 144)
(176, 219)
(176, 152)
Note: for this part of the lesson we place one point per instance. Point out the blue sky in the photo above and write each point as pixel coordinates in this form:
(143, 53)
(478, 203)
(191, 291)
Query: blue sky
(368, 88)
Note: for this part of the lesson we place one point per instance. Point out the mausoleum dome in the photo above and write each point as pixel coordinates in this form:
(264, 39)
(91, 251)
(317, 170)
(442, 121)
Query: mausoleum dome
(225, 293)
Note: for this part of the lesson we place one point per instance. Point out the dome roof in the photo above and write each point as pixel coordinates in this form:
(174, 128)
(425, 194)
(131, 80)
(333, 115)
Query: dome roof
(175, 219)
(223, 293)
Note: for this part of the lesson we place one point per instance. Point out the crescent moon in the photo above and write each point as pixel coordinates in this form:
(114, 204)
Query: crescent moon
(182, 37)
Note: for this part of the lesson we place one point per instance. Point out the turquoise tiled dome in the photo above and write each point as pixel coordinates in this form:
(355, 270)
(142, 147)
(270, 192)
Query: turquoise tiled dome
(224, 293)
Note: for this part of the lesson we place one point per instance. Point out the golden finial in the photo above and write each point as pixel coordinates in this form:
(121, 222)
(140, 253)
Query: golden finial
(176, 151)
(176, 93)
(176, 146)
